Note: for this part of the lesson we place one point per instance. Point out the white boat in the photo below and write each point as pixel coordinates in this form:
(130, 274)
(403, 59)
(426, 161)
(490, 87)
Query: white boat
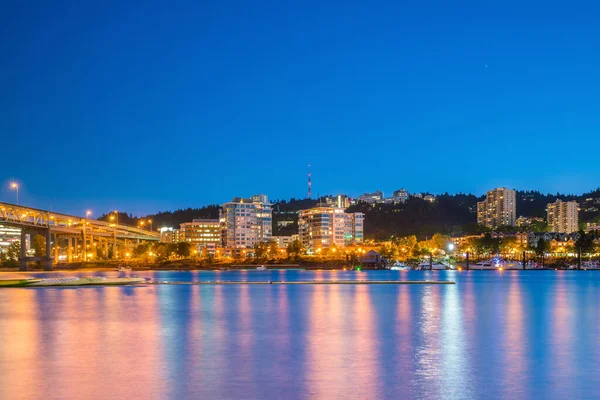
(484, 265)
(399, 267)
(435, 266)
(512, 265)
(261, 268)
(123, 268)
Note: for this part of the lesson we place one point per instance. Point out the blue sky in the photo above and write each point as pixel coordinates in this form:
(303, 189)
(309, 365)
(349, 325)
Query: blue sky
(148, 106)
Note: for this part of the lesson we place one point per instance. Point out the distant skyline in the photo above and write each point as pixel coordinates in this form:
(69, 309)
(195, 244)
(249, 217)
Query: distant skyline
(141, 207)
(145, 108)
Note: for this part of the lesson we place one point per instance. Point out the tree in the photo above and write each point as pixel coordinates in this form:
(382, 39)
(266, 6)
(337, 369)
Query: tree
(10, 258)
(39, 245)
(542, 247)
(585, 243)
(14, 251)
(440, 241)
(183, 249)
(260, 250)
(141, 249)
(485, 245)
(507, 245)
(406, 245)
(273, 248)
(294, 249)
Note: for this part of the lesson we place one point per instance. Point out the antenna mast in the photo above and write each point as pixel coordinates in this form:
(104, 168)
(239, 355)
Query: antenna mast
(309, 183)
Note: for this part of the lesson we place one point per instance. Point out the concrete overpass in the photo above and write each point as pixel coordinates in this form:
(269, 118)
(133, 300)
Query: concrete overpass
(83, 236)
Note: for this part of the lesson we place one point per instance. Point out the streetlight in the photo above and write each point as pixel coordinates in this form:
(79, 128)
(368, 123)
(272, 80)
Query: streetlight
(15, 186)
(88, 213)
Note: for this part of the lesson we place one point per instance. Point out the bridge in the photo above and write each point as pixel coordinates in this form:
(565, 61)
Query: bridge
(85, 238)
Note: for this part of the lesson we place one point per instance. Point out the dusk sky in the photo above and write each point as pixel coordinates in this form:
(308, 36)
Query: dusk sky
(165, 105)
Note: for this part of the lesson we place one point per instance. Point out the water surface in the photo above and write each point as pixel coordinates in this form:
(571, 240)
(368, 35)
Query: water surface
(516, 334)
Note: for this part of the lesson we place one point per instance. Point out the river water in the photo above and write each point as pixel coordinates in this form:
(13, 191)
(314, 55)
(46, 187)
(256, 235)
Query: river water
(493, 335)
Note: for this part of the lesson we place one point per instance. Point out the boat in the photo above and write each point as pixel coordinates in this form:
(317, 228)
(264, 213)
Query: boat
(484, 265)
(511, 265)
(504, 264)
(123, 268)
(397, 266)
(434, 266)
(261, 268)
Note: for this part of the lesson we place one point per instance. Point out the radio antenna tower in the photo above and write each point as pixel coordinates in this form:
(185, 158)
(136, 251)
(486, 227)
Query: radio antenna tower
(309, 183)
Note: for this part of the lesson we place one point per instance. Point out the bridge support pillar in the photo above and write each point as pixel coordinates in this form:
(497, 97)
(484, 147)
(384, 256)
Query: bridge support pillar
(84, 246)
(103, 246)
(56, 247)
(47, 263)
(69, 249)
(22, 260)
(114, 246)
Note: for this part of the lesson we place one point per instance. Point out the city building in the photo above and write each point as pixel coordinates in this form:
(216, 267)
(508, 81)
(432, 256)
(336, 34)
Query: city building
(202, 233)
(246, 222)
(563, 216)
(463, 240)
(167, 235)
(371, 198)
(591, 227)
(8, 236)
(429, 197)
(283, 241)
(499, 208)
(401, 195)
(555, 239)
(322, 227)
(526, 221)
(178, 236)
(340, 201)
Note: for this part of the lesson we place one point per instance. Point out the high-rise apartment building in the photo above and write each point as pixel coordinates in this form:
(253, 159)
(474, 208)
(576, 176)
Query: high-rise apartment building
(499, 208)
(322, 227)
(246, 222)
(563, 216)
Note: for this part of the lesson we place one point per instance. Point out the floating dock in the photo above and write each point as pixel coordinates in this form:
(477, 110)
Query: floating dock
(332, 282)
(103, 281)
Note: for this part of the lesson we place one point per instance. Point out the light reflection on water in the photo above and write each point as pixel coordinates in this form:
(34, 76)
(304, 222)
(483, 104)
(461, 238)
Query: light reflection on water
(492, 335)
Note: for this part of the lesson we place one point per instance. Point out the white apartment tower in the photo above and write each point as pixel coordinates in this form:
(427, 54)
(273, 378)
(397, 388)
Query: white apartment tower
(499, 208)
(322, 227)
(246, 222)
(563, 216)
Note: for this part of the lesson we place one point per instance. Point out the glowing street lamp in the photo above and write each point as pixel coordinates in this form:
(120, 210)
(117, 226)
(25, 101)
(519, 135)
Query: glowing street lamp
(15, 186)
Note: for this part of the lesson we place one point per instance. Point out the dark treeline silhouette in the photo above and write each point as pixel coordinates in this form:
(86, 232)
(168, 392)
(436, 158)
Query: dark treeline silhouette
(167, 218)
(449, 214)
